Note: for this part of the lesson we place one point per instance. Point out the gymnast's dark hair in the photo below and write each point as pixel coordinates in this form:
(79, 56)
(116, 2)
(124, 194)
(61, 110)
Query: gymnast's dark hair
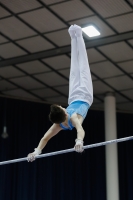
(57, 115)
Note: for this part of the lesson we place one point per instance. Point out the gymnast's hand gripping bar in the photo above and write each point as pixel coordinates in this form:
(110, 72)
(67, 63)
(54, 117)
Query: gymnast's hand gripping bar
(69, 150)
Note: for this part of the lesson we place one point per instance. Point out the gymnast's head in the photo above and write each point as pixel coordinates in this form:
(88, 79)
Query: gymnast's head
(57, 114)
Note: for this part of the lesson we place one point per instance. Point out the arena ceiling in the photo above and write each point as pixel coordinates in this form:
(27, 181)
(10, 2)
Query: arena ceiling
(35, 49)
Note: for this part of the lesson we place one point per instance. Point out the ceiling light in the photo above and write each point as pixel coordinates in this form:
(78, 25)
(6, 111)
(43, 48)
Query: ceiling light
(4, 134)
(91, 31)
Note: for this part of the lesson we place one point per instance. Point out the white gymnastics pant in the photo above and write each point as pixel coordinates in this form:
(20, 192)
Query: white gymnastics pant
(80, 82)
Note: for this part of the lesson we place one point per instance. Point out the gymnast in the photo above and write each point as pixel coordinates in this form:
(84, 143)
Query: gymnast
(80, 96)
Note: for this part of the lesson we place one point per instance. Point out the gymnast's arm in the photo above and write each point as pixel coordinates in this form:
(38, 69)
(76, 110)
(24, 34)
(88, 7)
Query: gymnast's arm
(80, 133)
(54, 129)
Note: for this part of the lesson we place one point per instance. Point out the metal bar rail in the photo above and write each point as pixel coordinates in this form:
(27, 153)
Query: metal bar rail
(69, 150)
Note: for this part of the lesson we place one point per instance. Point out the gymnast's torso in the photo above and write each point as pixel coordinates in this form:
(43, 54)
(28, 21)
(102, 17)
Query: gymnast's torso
(79, 108)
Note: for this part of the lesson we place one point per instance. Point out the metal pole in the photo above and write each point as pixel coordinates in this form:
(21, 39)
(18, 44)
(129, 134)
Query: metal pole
(69, 150)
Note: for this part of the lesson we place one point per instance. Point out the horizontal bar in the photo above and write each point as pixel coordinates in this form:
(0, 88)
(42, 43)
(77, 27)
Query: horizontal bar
(69, 150)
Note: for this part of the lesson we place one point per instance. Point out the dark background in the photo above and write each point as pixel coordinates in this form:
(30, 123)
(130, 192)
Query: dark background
(69, 176)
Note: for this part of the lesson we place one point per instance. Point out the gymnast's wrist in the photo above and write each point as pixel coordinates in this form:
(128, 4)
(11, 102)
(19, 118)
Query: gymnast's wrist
(79, 141)
(37, 151)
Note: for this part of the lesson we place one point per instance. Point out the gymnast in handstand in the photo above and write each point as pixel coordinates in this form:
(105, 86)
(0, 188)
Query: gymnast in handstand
(80, 96)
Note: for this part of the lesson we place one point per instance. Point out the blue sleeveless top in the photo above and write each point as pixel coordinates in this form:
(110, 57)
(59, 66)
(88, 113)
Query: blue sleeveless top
(78, 107)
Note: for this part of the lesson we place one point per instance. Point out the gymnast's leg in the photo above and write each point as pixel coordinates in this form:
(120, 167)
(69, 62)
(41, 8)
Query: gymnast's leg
(74, 78)
(86, 87)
